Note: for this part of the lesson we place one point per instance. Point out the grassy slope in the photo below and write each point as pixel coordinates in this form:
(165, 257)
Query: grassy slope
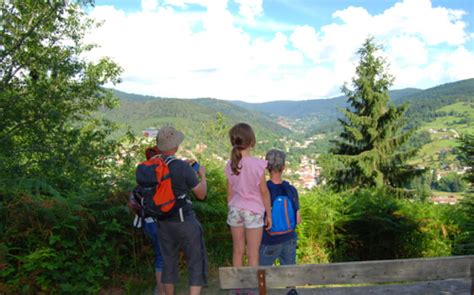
(445, 140)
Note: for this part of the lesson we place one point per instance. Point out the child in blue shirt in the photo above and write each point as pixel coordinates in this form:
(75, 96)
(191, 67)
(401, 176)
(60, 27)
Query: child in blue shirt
(282, 246)
(151, 231)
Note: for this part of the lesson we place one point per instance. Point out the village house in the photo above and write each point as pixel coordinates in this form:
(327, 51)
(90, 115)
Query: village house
(150, 132)
(451, 200)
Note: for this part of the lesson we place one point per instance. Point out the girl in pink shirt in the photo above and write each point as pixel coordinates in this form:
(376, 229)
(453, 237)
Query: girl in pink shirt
(247, 195)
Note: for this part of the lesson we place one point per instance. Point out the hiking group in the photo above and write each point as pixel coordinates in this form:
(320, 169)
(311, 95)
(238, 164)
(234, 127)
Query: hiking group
(262, 214)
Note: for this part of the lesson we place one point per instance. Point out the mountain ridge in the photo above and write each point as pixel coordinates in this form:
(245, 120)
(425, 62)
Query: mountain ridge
(143, 111)
(294, 109)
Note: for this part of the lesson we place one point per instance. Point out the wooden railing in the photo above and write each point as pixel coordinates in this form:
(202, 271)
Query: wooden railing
(365, 272)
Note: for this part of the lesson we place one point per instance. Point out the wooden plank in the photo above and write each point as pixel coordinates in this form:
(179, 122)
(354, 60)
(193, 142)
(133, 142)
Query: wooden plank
(472, 278)
(382, 271)
(444, 287)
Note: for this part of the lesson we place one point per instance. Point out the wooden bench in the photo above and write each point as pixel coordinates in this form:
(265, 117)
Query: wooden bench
(273, 280)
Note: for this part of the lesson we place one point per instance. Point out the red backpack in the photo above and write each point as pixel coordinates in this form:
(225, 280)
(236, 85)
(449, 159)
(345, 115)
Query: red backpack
(153, 196)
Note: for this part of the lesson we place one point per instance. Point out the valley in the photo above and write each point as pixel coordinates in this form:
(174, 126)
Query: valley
(304, 129)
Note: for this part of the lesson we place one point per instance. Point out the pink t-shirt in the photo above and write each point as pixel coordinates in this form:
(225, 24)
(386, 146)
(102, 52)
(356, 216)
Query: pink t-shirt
(245, 186)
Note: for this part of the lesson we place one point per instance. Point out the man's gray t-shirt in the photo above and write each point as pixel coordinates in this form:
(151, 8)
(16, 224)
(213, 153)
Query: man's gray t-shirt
(183, 179)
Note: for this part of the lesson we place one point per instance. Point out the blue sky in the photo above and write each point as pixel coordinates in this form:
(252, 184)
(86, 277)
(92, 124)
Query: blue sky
(259, 50)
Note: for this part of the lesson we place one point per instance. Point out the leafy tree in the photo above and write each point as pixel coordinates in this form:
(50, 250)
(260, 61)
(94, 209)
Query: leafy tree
(216, 133)
(369, 145)
(48, 93)
(422, 185)
(452, 182)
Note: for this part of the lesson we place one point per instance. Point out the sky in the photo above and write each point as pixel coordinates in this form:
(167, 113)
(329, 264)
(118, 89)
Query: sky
(269, 50)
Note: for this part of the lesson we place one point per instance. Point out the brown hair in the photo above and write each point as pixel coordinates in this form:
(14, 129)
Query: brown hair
(241, 137)
(276, 160)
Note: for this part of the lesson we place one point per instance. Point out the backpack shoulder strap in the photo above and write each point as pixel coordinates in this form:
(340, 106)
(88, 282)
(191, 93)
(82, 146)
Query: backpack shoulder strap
(169, 159)
(289, 192)
(292, 194)
(285, 187)
(278, 189)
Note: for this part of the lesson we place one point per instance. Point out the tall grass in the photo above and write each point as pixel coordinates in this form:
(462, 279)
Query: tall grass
(322, 211)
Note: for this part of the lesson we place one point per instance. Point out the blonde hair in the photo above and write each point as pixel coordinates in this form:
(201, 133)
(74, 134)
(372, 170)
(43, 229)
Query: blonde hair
(241, 137)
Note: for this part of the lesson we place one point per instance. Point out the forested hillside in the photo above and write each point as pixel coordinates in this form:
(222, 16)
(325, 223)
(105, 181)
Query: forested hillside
(323, 109)
(284, 123)
(141, 111)
(319, 114)
(203, 120)
(426, 105)
(144, 111)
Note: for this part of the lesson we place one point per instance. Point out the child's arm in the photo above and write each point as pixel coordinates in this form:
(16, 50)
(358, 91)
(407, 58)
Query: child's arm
(229, 192)
(266, 201)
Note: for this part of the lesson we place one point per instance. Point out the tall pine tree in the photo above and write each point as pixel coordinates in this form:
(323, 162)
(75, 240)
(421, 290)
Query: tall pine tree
(464, 243)
(368, 149)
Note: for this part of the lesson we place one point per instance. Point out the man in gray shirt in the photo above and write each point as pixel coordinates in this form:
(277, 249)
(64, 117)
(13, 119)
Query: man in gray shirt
(180, 230)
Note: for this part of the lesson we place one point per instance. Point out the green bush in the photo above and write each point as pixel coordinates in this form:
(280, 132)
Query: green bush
(463, 214)
(74, 244)
(464, 242)
(212, 213)
(371, 225)
(378, 226)
(82, 243)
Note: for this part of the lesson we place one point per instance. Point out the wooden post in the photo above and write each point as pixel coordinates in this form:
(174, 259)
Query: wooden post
(262, 286)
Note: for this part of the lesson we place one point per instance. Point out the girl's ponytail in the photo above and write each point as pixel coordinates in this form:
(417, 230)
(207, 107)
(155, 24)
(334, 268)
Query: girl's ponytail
(235, 157)
(241, 137)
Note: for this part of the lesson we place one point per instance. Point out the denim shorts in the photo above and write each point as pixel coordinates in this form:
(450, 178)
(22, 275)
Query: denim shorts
(243, 217)
(285, 251)
(151, 231)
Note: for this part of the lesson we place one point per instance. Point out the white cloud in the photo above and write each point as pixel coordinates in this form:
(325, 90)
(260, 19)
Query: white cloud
(407, 51)
(168, 49)
(460, 64)
(435, 25)
(250, 9)
(148, 5)
(306, 40)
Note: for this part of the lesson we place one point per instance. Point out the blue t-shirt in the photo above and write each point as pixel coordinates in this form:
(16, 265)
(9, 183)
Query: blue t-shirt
(278, 190)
